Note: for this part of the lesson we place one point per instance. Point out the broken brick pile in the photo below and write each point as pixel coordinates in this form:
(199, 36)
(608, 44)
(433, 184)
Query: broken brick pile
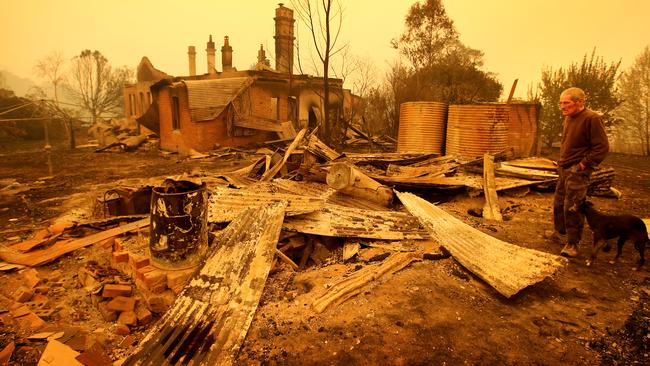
(31, 304)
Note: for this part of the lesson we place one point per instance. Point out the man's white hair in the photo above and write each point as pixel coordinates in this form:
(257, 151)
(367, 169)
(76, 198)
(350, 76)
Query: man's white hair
(575, 93)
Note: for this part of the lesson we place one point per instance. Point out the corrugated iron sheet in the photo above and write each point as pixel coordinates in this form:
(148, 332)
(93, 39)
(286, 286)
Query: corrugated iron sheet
(473, 130)
(422, 127)
(522, 128)
(314, 189)
(210, 318)
(225, 204)
(342, 221)
(506, 267)
(208, 98)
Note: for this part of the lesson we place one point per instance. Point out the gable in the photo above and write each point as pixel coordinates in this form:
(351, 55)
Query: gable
(208, 98)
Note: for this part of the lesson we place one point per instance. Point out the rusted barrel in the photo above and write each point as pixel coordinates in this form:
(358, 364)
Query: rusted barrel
(473, 130)
(179, 224)
(422, 127)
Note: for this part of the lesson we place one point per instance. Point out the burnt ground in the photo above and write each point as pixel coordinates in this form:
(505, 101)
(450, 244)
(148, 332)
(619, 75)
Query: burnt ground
(431, 312)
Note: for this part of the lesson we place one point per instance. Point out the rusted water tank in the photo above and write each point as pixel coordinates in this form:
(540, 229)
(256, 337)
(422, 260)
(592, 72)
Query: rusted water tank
(476, 129)
(522, 128)
(179, 224)
(422, 127)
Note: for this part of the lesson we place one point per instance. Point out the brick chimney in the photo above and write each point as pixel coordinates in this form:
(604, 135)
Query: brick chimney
(226, 55)
(261, 56)
(210, 50)
(284, 39)
(191, 54)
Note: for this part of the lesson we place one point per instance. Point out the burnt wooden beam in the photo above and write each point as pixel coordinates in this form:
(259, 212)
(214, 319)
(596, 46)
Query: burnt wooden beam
(491, 209)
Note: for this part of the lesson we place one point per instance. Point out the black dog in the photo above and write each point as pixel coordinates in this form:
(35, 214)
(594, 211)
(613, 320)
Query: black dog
(623, 227)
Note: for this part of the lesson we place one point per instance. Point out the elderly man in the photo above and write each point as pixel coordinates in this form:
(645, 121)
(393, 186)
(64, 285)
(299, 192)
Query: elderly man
(584, 146)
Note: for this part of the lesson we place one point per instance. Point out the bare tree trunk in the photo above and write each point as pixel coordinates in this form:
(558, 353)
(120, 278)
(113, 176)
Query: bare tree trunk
(326, 85)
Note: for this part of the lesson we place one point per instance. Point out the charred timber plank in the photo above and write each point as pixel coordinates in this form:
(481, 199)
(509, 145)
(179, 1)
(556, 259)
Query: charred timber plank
(407, 171)
(321, 149)
(503, 169)
(350, 286)
(211, 316)
(534, 163)
(269, 174)
(506, 267)
(341, 221)
(491, 209)
(347, 179)
(225, 204)
(332, 196)
(42, 256)
(382, 160)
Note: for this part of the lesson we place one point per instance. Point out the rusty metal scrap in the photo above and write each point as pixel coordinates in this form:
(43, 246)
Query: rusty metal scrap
(210, 318)
(506, 267)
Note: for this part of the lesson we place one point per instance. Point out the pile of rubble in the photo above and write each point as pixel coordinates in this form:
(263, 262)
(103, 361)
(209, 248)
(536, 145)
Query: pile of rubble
(324, 203)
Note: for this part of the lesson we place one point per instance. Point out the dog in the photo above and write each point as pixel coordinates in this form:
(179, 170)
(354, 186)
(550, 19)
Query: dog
(623, 227)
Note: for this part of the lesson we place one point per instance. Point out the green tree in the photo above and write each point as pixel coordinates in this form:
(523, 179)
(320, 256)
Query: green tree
(429, 35)
(596, 77)
(634, 85)
(441, 67)
(94, 85)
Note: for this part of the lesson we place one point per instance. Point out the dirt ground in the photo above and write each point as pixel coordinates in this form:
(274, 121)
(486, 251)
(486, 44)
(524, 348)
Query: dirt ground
(431, 312)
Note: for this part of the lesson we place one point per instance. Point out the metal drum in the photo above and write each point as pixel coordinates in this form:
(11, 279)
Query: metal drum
(476, 129)
(179, 230)
(422, 127)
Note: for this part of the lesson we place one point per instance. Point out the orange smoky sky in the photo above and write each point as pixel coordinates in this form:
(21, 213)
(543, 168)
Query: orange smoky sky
(519, 38)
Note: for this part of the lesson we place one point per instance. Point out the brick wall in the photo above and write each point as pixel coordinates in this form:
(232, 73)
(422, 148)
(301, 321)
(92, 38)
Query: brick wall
(203, 135)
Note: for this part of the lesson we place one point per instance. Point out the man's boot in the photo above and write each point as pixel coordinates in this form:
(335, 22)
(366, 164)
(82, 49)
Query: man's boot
(569, 250)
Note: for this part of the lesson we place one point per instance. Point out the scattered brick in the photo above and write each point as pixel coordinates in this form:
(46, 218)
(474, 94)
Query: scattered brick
(44, 313)
(121, 303)
(138, 261)
(139, 274)
(143, 314)
(42, 290)
(95, 355)
(176, 280)
(31, 277)
(23, 294)
(156, 281)
(117, 245)
(120, 257)
(108, 315)
(127, 341)
(107, 243)
(19, 311)
(112, 290)
(127, 318)
(157, 303)
(30, 322)
(122, 329)
(55, 276)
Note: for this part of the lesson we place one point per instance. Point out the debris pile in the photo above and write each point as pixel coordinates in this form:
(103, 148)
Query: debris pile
(290, 208)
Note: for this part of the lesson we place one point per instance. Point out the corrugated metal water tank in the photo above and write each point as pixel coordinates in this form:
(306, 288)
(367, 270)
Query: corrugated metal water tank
(476, 129)
(422, 127)
(522, 128)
